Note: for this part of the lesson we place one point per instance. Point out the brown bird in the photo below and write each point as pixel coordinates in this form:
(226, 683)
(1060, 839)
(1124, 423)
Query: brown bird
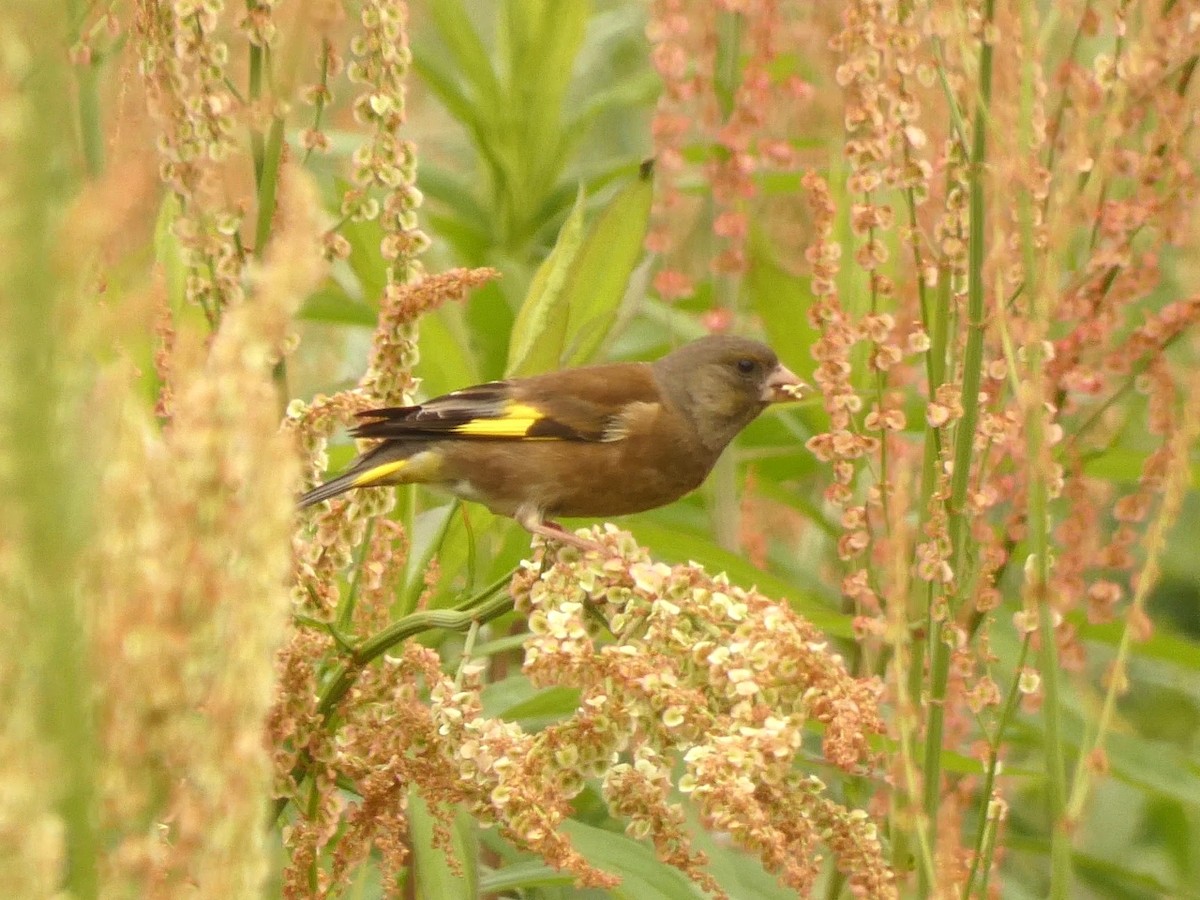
(596, 441)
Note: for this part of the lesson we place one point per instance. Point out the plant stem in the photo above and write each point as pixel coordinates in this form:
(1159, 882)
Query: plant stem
(91, 134)
(972, 371)
(46, 475)
(993, 764)
(488, 604)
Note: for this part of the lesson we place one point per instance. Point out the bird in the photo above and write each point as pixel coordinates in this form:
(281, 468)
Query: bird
(594, 441)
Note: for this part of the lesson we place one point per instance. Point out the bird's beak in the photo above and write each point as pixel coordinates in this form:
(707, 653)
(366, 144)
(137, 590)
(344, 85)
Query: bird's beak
(782, 385)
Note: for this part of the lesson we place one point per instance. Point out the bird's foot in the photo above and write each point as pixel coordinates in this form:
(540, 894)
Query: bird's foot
(552, 531)
(556, 532)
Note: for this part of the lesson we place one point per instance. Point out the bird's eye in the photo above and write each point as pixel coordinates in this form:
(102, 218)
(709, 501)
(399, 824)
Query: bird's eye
(746, 366)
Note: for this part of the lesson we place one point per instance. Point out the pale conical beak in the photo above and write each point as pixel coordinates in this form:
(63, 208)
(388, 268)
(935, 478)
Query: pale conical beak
(783, 385)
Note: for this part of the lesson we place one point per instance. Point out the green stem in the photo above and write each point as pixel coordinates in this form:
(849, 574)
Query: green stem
(254, 92)
(267, 156)
(489, 604)
(91, 133)
(1036, 419)
(993, 765)
(1060, 838)
(965, 432)
(45, 479)
(936, 322)
(268, 185)
(319, 111)
(973, 355)
(956, 116)
(345, 613)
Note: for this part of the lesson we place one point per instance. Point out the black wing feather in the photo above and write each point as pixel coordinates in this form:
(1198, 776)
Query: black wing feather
(445, 415)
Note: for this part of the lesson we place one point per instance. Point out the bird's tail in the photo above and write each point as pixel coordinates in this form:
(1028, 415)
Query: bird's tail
(332, 488)
(392, 462)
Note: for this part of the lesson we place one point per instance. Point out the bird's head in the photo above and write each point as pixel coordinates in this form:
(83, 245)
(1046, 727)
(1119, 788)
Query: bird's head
(722, 382)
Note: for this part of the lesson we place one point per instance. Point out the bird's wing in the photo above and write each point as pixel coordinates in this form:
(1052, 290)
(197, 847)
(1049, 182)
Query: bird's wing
(586, 404)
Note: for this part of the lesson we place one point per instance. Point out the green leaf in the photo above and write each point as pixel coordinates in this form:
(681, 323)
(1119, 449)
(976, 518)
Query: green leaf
(490, 320)
(540, 331)
(167, 251)
(526, 874)
(442, 80)
(426, 532)
(643, 875)
(516, 699)
(598, 278)
(446, 364)
(454, 212)
(739, 873)
(1108, 877)
(470, 56)
(1158, 768)
(435, 879)
(366, 260)
(636, 90)
(1125, 466)
(332, 305)
(1161, 646)
(782, 300)
(538, 41)
(439, 183)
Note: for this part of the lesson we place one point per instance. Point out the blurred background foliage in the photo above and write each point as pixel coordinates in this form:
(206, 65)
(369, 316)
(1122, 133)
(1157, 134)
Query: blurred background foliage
(532, 121)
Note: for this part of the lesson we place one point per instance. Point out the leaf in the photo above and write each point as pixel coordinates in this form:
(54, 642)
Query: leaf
(1156, 767)
(332, 305)
(446, 362)
(1125, 466)
(739, 873)
(643, 875)
(442, 80)
(167, 251)
(515, 699)
(366, 259)
(540, 331)
(782, 299)
(470, 56)
(1161, 646)
(600, 273)
(426, 532)
(455, 213)
(436, 879)
(540, 42)
(525, 874)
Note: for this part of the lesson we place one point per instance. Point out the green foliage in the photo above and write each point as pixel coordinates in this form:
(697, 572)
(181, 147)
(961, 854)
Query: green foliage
(573, 300)
(541, 177)
(544, 201)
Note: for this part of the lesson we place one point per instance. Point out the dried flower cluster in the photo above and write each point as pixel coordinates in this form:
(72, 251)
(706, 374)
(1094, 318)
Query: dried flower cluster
(694, 672)
(1003, 356)
(185, 616)
(721, 679)
(992, 296)
(744, 119)
(183, 59)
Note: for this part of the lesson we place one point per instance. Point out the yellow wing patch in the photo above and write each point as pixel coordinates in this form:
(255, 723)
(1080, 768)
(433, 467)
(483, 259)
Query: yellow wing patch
(514, 422)
(377, 474)
(417, 469)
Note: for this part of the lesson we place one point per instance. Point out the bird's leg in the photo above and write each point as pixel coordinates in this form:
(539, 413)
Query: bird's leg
(531, 520)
